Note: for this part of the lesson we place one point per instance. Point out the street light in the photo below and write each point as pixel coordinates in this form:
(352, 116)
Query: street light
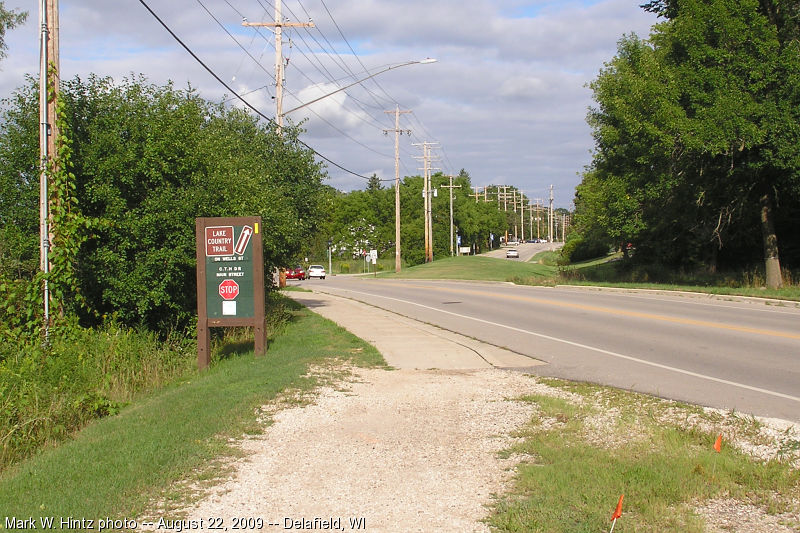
(397, 175)
(420, 62)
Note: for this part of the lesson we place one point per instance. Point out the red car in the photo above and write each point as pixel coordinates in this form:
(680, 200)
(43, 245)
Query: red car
(297, 272)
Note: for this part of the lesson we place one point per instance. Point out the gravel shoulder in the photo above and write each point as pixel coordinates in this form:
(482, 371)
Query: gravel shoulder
(403, 450)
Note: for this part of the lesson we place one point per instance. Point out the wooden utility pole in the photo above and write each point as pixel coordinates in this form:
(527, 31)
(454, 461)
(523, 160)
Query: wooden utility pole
(516, 228)
(451, 187)
(426, 193)
(397, 133)
(54, 80)
(476, 192)
(48, 89)
(550, 236)
(279, 24)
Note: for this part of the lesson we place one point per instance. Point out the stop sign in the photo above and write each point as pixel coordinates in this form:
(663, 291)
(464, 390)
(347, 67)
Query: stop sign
(229, 289)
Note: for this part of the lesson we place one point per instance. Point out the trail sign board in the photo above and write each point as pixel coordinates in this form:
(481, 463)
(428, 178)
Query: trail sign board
(230, 279)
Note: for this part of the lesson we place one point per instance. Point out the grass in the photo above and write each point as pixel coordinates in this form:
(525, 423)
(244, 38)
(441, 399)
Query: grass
(543, 269)
(606, 272)
(613, 442)
(475, 268)
(117, 464)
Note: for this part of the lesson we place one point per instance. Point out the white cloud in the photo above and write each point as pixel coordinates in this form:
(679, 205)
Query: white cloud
(506, 101)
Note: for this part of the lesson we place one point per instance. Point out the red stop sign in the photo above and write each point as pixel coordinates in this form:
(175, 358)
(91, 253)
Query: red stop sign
(229, 289)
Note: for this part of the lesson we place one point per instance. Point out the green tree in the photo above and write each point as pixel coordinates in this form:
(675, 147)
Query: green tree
(9, 19)
(697, 136)
(147, 160)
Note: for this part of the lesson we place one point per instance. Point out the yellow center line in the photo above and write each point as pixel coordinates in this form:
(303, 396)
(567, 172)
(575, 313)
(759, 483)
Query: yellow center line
(618, 312)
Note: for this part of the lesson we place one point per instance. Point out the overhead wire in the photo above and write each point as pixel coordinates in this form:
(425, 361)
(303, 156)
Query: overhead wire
(326, 73)
(221, 25)
(334, 127)
(245, 102)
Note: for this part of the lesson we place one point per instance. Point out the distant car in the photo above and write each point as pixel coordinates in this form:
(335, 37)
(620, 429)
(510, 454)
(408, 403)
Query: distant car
(512, 253)
(297, 272)
(316, 271)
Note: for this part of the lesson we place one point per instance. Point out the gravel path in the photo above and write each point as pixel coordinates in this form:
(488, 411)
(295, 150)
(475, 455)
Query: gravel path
(404, 450)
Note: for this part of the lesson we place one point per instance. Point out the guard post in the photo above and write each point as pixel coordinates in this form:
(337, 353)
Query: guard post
(230, 279)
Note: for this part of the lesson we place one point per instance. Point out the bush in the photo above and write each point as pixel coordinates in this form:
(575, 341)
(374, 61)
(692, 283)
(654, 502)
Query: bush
(578, 248)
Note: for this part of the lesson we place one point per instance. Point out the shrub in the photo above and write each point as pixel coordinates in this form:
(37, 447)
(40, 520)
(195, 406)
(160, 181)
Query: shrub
(579, 248)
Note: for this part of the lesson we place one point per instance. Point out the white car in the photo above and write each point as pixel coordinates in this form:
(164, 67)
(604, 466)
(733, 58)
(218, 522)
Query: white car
(512, 253)
(316, 271)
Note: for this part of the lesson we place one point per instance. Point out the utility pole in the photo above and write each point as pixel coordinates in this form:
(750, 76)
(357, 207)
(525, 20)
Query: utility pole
(538, 218)
(53, 61)
(516, 228)
(426, 193)
(476, 193)
(451, 187)
(551, 215)
(522, 213)
(397, 133)
(279, 24)
(505, 206)
(48, 57)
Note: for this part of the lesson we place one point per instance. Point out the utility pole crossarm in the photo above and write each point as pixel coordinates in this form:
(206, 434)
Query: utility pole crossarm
(279, 24)
(282, 24)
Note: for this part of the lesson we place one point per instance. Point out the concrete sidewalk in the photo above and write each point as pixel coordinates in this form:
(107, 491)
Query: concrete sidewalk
(406, 343)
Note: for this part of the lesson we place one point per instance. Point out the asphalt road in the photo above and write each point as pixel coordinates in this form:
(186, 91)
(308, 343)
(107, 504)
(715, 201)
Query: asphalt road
(526, 250)
(731, 353)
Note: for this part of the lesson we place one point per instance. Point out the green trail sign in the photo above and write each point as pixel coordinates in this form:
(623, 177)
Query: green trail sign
(230, 279)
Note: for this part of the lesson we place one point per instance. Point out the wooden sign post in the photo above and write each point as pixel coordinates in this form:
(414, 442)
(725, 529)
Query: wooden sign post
(230, 279)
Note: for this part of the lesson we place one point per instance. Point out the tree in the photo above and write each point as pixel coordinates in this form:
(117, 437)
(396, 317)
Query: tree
(741, 100)
(697, 135)
(144, 178)
(374, 183)
(8, 20)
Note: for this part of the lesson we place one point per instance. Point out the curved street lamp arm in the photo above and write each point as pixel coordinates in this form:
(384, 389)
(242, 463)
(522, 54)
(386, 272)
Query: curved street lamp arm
(423, 61)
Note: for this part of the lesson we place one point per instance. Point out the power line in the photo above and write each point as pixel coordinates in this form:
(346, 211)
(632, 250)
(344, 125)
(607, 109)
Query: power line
(245, 102)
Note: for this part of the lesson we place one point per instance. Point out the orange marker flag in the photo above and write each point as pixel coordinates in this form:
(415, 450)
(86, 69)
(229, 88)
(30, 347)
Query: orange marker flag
(718, 443)
(618, 510)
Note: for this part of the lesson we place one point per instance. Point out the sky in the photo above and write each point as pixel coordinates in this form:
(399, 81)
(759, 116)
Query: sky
(506, 99)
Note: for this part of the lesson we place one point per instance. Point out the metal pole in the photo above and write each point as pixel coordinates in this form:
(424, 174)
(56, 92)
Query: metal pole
(44, 230)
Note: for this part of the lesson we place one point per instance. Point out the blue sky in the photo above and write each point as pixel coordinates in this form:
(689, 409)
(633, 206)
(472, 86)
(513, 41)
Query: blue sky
(506, 101)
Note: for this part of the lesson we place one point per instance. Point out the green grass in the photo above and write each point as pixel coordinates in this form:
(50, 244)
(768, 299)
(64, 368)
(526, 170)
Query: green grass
(475, 268)
(117, 464)
(576, 471)
(543, 269)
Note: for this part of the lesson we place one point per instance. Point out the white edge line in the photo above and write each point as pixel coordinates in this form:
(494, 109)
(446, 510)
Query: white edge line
(592, 348)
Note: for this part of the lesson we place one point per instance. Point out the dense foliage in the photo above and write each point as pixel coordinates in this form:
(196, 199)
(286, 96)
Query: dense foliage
(146, 160)
(697, 132)
(365, 219)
